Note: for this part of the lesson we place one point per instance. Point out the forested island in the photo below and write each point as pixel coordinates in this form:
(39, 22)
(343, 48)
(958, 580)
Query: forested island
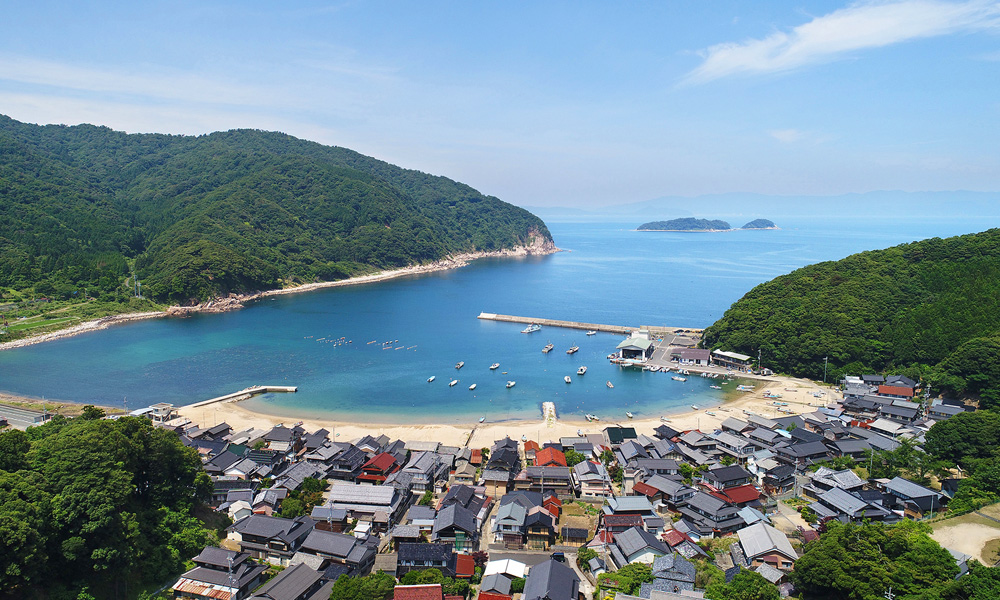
(131, 222)
(693, 224)
(930, 309)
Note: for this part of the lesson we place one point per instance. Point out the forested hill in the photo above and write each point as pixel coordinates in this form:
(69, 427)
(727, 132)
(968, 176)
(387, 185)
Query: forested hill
(85, 207)
(929, 307)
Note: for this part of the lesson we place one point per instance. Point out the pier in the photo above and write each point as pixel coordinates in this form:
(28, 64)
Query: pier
(655, 330)
(246, 393)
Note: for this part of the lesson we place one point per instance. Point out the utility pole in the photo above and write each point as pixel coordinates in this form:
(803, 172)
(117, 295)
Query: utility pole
(825, 360)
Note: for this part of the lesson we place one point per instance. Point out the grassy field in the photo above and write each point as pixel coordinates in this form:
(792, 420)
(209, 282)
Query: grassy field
(972, 534)
(33, 318)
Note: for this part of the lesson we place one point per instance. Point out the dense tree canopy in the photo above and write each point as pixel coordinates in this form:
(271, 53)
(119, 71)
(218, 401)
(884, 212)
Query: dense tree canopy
(685, 224)
(914, 304)
(747, 585)
(96, 503)
(235, 211)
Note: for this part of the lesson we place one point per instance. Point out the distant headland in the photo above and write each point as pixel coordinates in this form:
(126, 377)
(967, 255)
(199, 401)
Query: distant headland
(710, 225)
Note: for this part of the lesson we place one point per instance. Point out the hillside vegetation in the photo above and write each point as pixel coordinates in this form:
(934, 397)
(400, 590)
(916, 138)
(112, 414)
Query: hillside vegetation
(686, 224)
(86, 209)
(931, 308)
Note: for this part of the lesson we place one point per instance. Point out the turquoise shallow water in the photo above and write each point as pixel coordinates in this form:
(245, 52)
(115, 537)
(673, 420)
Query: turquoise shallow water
(609, 274)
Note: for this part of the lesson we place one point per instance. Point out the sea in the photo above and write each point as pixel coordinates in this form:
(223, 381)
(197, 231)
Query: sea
(364, 353)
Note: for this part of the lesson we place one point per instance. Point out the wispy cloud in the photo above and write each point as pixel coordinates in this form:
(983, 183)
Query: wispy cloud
(787, 136)
(857, 27)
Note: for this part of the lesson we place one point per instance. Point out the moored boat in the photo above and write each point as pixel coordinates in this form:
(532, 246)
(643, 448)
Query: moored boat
(677, 378)
(532, 328)
(573, 350)
(431, 378)
(610, 385)
(548, 348)
(567, 379)
(452, 383)
(494, 366)
(709, 413)
(694, 406)
(472, 387)
(715, 387)
(591, 332)
(581, 371)
(591, 417)
(482, 418)
(460, 364)
(629, 414)
(510, 384)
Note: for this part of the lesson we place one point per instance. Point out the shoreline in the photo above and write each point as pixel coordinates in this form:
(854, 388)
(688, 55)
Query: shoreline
(238, 301)
(797, 393)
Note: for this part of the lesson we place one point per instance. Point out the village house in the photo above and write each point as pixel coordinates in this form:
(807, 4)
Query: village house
(270, 538)
(551, 580)
(354, 555)
(760, 543)
(220, 575)
(636, 545)
(672, 573)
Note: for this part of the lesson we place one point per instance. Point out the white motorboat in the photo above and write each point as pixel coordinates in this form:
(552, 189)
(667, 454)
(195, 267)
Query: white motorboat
(567, 379)
(524, 438)
(676, 378)
(591, 332)
(581, 371)
(715, 387)
(591, 417)
(482, 418)
(452, 383)
(431, 378)
(494, 366)
(694, 406)
(510, 384)
(628, 414)
(460, 364)
(548, 348)
(579, 433)
(532, 328)
(573, 350)
(472, 387)
(610, 385)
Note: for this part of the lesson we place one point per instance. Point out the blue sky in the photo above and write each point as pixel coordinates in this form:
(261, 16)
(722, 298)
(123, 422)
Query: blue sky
(571, 104)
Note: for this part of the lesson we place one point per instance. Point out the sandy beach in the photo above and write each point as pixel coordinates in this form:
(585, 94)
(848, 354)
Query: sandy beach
(797, 393)
(236, 301)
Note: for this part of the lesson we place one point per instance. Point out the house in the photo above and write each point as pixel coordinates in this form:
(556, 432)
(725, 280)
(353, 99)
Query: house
(663, 491)
(419, 557)
(330, 519)
(508, 525)
(337, 548)
(574, 536)
(270, 538)
(551, 580)
(530, 448)
(340, 460)
(456, 525)
(915, 500)
(616, 436)
(671, 573)
(825, 478)
(633, 505)
(735, 446)
(762, 544)
(539, 528)
(682, 544)
(378, 504)
(691, 356)
(378, 468)
(549, 457)
(291, 479)
(470, 497)
(837, 503)
(636, 545)
(298, 582)
(424, 471)
(465, 474)
(495, 584)
(710, 514)
(740, 496)
(267, 502)
(220, 575)
(591, 479)
(422, 591)
(723, 477)
(656, 466)
(895, 391)
(802, 454)
(732, 360)
(558, 480)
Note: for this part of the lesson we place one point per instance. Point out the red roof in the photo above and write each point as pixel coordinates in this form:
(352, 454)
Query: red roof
(645, 489)
(531, 445)
(477, 456)
(493, 596)
(741, 494)
(895, 390)
(429, 591)
(465, 566)
(674, 537)
(550, 456)
(383, 462)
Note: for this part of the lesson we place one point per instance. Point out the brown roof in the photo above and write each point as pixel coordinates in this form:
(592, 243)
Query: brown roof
(531, 445)
(549, 456)
(431, 591)
(645, 489)
(895, 390)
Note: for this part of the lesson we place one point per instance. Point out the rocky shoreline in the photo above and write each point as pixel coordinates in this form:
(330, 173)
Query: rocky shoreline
(539, 247)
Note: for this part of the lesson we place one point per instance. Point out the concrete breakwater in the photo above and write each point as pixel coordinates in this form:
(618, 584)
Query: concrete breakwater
(246, 393)
(656, 330)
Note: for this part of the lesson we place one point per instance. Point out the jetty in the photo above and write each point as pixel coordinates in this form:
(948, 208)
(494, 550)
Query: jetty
(655, 330)
(246, 393)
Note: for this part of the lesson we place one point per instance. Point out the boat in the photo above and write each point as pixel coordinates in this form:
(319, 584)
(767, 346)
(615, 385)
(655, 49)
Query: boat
(629, 414)
(579, 433)
(694, 406)
(685, 372)
(567, 379)
(664, 420)
(573, 350)
(678, 378)
(715, 387)
(510, 384)
(452, 382)
(524, 438)
(482, 418)
(532, 328)
(591, 332)
(431, 378)
(472, 387)
(591, 417)
(581, 371)
(709, 413)
(494, 366)
(548, 348)
(460, 364)
(610, 385)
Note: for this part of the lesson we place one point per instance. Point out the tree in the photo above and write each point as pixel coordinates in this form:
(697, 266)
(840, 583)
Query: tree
(377, 586)
(607, 457)
(628, 579)
(980, 583)
(747, 585)
(91, 412)
(427, 499)
(965, 436)
(517, 585)
(14, 446)
(861, 562)
(573, 457)
(583, 558)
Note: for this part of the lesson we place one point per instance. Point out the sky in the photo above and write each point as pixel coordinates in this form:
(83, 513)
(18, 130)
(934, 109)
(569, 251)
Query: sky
(578, 104)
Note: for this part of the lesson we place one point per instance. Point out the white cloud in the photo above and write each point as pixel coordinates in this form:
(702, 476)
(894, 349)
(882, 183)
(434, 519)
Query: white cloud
(787, 136)
(856, 27)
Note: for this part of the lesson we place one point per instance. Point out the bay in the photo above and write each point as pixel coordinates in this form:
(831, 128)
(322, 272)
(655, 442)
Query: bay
(421, 326)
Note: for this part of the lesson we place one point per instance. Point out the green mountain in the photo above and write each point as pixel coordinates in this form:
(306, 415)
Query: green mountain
(685, 224)
(84, 208)
(760, 224)
(930, 307)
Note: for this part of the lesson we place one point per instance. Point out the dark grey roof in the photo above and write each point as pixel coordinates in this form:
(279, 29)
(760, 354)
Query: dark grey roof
(287, 530)
(909, 489)
(456, 516)
(290, 584)
(329, 543)
(219, 557)
(707, 503)
(723, 474)
(551, 580)
(495, 582)
(674, 567)
(413, 551)
(635, 539)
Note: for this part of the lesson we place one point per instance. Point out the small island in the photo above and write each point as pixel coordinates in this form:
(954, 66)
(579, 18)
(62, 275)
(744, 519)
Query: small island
(760, 224)
(686, 224)
(710, 225)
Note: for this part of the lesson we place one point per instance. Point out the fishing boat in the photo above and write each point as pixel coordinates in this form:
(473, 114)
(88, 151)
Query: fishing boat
(472, 387)
(678, 378)
(431, 378)
(494, 366)
(460, 364)
(629, 414)
(573, 350)
(510, 384)
(591, 332)
(715, 387)
(532, 328)
(548, 348)
(694, 406)
(567, 379)
(482, 418)
(581, 371)
(452, 383)
(610, 385)
(591, 417)
(709, 413)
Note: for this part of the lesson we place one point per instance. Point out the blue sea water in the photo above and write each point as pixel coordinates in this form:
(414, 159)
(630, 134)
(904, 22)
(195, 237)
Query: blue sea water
(422, 325)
